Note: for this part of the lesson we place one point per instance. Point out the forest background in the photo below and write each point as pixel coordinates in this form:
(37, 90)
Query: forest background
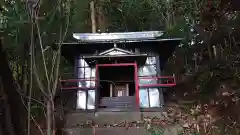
(206, 63)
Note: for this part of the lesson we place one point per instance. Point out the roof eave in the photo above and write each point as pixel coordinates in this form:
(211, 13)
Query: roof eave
(126, 41)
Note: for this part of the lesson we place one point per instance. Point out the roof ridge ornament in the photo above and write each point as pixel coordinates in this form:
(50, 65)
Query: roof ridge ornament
(115, 45)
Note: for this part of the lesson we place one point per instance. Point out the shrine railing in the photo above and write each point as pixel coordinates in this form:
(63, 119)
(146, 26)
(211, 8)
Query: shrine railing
(157, 81)
(144, 82)
(79, 84)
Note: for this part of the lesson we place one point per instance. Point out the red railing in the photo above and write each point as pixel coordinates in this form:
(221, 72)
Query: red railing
(162, 81)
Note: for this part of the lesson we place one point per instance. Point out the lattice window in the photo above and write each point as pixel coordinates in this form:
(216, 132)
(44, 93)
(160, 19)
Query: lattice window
(86, 81)
(149, 69)
(86, 99)
(149, 97)
(85, 74)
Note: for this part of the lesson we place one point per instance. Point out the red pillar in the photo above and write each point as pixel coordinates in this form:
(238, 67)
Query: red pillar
(136, 84)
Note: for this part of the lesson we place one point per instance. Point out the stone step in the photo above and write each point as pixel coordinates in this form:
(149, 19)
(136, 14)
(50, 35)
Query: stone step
(173, 130)
(100, 118)
(106, 131)
(107, 117)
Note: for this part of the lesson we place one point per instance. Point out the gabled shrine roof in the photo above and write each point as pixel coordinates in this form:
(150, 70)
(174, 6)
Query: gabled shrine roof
(88, 43)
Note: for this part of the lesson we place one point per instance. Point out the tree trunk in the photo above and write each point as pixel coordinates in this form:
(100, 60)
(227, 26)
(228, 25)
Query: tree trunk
(24, 62)
(1, 129)
(49, 117)
(101, 19)
(7, 120)
(93, 17)
(17, 111)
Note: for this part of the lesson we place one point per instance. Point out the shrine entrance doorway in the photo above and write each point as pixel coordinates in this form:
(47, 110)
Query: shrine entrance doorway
(117, 86)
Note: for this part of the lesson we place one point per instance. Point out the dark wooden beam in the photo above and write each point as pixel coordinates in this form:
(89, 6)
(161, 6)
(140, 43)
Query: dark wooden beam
(235, 5)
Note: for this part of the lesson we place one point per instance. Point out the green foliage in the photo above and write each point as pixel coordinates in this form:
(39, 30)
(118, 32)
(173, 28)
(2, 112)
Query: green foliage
(156, 130)
(192, 19)
(132, 15)
(37, 111)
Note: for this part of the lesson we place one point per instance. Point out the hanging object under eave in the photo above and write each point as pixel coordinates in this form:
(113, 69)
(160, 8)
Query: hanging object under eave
(125, 36)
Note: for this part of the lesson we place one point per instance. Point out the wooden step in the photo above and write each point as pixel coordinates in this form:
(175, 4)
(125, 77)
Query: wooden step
(126, 102)
(119, 109)
(119, 99)
(118, 102)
